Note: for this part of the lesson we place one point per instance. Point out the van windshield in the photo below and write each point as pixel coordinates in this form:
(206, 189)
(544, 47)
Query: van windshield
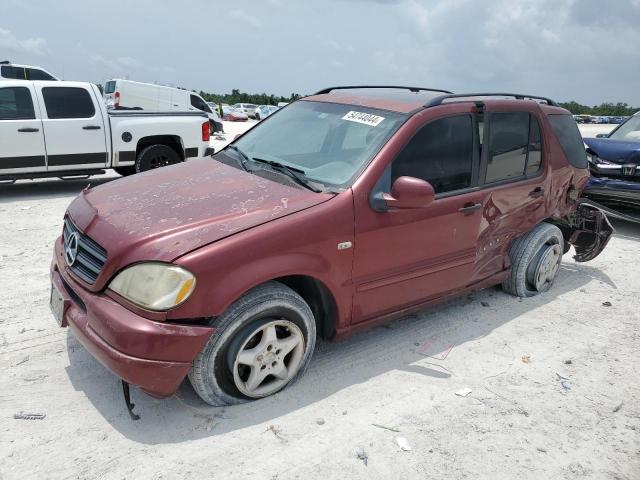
(331, 143)
(110, 87)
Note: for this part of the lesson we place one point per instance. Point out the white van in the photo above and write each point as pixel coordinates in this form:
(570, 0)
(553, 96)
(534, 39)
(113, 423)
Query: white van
(122, 94)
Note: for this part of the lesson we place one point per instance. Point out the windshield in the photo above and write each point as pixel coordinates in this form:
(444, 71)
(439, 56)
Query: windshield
(331, 143)
(630, 130)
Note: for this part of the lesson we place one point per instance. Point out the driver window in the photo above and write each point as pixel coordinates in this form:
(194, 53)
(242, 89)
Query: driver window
(440, 153)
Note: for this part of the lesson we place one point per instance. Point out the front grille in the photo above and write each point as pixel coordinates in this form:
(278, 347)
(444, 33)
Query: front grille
(90, 257)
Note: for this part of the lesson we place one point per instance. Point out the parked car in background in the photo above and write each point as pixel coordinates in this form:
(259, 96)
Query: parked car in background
(341, 212)
(122, 94)
(12, 71)
(249, 109)
(582, 118)
(614, 161)
(231, 114)
(61, 129)
(263, 111)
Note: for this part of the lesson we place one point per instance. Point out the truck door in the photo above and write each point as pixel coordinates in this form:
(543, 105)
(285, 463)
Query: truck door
(73, 127)
(21, 137)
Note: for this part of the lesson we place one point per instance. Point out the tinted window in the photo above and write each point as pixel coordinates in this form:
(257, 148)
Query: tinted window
(110, 87)
(68, 102)
(566, 129)
(200, 104)
(441, 153)
(16, 104)
(13, 72)
(36, 74)
(534, 160)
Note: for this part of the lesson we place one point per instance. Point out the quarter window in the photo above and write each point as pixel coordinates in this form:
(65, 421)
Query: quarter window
(16, 104)
(515, 146)
(566, 129)
(440, 153)
(68, 102)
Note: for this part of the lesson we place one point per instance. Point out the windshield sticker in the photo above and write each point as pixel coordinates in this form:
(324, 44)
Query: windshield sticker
(366, 118)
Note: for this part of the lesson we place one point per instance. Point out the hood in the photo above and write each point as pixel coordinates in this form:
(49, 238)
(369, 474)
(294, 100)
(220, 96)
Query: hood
(165, 213)
(617, 151)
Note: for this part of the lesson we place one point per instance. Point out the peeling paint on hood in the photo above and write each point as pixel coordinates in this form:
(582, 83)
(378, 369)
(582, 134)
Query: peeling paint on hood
(165, 213)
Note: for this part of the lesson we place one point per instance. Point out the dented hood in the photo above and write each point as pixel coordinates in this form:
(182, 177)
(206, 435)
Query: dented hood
(165, 213)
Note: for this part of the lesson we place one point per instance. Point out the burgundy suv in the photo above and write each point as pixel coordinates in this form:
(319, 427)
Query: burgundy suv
(346, 208)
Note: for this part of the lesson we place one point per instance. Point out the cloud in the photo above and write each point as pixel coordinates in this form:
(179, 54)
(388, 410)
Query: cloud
(243, 16)
(10, 43)
(120, 64)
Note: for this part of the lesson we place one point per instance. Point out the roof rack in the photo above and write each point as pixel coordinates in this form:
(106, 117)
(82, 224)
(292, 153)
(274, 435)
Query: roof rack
(5, 62)
(518, 96)
(353, 87)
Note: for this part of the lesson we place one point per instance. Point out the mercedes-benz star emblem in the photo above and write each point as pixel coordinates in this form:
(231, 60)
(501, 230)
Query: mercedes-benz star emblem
(71, 248)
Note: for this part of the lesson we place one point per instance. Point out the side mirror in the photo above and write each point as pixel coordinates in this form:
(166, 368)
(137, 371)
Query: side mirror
(602, 135)
(410, 192)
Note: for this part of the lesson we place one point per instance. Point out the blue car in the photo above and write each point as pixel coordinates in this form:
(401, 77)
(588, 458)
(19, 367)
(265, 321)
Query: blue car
(614, 161)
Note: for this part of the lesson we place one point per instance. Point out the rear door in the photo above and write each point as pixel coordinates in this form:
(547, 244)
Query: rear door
(515, 181)
(22, 147)
(73, 127)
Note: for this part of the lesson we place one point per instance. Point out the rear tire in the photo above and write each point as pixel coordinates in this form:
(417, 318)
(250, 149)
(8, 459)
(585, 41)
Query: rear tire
(535, 260)
(156, 156)
(221, 374)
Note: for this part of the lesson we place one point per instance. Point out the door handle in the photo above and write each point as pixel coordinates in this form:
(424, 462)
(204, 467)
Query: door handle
(536, 192)
(469, 208)
(91, 127)
(29, 130)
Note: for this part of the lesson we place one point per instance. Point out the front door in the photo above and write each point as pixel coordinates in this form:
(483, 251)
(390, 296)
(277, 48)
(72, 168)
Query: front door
(405, 257)
(21, 140)
(73, 126)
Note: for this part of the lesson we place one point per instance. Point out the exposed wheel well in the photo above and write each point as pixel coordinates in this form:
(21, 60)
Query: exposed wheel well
(172, 141)
(319, 298)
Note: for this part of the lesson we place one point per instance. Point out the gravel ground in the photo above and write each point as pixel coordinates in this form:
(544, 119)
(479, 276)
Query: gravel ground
(553, 384)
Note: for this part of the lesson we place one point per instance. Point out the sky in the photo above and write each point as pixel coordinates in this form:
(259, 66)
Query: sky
(583, 50)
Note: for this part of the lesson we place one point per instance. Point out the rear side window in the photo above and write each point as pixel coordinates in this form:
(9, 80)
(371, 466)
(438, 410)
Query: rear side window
(200, 104)
(110, 87)
(68, 102)
(515, 146)
(16, 73)
(440, 153)
(16, 104)
(36, 74)
(566, 129)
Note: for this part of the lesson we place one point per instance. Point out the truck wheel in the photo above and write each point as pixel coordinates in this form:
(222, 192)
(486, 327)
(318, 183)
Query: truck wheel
(535, 260)
(262, 343)
(156, 156)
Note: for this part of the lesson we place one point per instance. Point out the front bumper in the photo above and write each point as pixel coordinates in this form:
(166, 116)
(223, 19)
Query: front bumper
(154, 356)
(616, 192)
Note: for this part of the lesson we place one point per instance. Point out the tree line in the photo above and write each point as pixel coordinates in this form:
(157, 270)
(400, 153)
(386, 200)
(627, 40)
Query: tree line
(604, 109)
(236, 96)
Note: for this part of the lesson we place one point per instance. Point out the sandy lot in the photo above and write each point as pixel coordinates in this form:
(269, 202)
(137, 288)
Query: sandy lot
(342, 420)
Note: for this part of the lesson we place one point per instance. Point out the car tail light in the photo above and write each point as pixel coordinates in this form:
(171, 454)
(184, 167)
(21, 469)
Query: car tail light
(116, 103)
(205, 132)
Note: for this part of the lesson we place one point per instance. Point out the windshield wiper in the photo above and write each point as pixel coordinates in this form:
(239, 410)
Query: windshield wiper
(243, 157)
(296, 174)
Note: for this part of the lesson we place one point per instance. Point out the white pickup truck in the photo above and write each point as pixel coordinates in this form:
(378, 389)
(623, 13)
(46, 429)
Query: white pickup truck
(63, 129)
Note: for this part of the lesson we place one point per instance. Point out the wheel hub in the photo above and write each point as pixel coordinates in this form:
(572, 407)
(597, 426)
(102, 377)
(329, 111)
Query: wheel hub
(545, 267)
(268, 358)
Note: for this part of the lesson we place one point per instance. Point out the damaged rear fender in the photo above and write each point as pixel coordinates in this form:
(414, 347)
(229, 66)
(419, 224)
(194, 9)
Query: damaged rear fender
(587, 229)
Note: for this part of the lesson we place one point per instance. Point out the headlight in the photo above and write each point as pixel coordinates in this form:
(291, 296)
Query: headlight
(154, 286)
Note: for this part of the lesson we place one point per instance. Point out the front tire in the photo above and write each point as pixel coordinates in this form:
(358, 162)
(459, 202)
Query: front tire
(262, 343)
(156, 156)
(125, 171)
(535, 261)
